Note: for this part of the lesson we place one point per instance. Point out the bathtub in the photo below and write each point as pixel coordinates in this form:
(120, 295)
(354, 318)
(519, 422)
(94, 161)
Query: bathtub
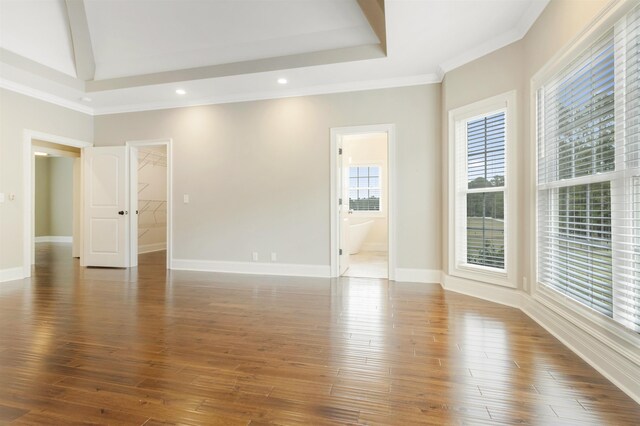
(357, 234)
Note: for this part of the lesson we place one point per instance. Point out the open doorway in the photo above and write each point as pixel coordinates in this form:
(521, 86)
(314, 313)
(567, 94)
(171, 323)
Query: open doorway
(364, 221)
(56, 198)
(150, 200)
(152, 203)
(60, 181)
(363, 231)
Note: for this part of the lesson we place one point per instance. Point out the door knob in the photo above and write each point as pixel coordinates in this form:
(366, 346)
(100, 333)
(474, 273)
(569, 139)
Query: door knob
(121, 212)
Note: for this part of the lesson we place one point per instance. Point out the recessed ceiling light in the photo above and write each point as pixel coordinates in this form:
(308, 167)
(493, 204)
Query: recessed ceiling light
(86, 99)
(282, 81)
(181, 92)
(40, 154)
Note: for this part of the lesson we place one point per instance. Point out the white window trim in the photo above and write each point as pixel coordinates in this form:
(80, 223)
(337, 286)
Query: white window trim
(505, 102)
(605, 329)
(369, 213)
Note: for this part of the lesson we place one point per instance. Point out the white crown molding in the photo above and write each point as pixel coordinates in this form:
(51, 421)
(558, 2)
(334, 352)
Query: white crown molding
(484, 49)
(516, 33)
(11, 274)
(530, 16)
(44, 96)
(252, 268)
(356, 86)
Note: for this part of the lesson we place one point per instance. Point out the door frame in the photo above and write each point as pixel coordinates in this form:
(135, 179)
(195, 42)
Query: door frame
(28, 182)
(336, 141)
(133, 192)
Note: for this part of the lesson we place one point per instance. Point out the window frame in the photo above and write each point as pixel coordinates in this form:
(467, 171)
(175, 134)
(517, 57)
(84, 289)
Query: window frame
(369, 213)
(458, 117)
(605, 329)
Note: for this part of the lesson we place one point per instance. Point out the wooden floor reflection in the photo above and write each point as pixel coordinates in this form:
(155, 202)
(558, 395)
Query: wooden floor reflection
(148, 346)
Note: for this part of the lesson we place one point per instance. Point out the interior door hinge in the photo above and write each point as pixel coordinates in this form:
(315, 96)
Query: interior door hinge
(339, 151)
(340, 252)
(339, 201)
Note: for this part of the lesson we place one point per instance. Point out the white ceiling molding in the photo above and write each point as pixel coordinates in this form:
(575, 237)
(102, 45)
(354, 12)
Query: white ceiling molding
(325, 57)
(480, 51)
(516, 33)
(279, 94)
(425, 40)
(530, 16)
(44, 96)
(13, 60)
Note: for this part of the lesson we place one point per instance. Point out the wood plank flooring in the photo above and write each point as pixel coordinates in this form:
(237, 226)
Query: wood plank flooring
(151, 347)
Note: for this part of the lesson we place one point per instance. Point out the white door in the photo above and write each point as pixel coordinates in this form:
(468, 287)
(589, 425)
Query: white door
(106, 209)
(343, 205)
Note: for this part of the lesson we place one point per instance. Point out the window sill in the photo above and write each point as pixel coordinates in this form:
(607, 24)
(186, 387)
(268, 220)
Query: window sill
(482, 274)
(361, 213)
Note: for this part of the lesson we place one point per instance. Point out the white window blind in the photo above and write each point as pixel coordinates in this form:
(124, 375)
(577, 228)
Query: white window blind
(481, 190)
(589, 176)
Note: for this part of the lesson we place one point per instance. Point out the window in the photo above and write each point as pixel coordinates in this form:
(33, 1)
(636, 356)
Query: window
(588, 176)
(482, 134)
(485, 190)
(364, 188)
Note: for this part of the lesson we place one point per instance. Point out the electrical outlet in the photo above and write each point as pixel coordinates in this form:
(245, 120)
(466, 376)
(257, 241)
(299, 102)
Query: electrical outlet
(254, 256)
(274, 256)
(185, 198)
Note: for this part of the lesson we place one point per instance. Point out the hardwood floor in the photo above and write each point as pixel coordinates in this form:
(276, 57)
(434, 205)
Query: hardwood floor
(152, 347)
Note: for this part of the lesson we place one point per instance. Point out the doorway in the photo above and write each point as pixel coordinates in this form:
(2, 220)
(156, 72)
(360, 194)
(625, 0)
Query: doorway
(152, 201)
(364, 227)
(56, 198)
(363, 231)
(150, 189)
(60, 149)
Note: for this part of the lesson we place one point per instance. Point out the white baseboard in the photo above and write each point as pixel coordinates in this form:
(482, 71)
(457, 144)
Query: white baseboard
(148, 248)
(621, 371)
(375, 247)
(490, 292)
(53, 239)
(418, 275)
(11, 274)
(285, 269)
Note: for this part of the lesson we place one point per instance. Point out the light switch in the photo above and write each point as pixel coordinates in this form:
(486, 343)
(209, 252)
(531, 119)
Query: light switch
(1, 197)
(185, 198)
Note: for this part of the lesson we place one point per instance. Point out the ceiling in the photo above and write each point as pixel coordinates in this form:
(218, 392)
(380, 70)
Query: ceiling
(133, 55)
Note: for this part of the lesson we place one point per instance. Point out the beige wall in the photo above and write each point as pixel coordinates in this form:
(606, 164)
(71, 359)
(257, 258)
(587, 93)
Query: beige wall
(17, 113)
(511, 68)
(42, 197)
(61, 198)
(258, 172)
(54, 196)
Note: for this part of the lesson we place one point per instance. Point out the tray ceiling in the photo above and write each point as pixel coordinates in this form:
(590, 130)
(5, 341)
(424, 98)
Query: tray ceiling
(131, 55)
